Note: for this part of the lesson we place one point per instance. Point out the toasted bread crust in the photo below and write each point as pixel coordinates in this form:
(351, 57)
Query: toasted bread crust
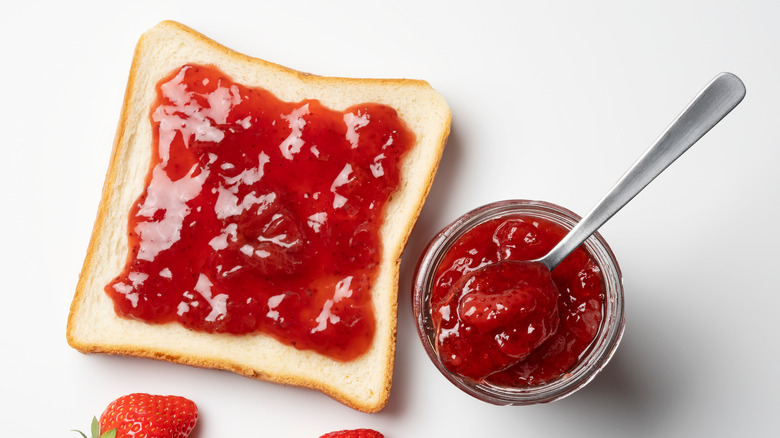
(93, 326)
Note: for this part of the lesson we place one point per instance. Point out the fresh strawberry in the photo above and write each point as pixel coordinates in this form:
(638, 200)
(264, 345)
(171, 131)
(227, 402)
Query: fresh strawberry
(354, 433)
(146, 416)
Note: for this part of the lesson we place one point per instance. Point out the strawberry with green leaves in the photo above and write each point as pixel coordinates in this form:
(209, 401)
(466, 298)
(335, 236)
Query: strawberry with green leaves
(146, 416)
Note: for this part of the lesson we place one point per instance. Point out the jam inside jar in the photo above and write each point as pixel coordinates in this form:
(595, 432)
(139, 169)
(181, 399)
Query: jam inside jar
(499, 351)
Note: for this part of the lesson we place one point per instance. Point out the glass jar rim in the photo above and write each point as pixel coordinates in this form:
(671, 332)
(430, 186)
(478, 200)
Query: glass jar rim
(598, 353)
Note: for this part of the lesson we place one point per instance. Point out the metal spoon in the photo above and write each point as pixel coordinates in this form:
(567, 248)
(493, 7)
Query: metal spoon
(712, 104)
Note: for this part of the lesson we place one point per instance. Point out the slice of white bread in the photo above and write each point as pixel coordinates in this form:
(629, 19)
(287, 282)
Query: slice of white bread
(93, 325)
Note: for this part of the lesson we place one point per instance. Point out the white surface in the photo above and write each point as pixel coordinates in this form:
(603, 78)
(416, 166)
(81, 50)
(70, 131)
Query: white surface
(551, 101)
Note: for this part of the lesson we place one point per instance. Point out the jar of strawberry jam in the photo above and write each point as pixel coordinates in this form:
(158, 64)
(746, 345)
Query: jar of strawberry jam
(491, 331)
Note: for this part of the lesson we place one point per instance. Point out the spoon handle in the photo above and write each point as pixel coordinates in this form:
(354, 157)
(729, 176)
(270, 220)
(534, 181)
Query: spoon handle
(712, 104)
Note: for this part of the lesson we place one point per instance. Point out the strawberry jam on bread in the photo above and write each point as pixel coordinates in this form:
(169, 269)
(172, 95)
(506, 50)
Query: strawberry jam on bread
(261, 215)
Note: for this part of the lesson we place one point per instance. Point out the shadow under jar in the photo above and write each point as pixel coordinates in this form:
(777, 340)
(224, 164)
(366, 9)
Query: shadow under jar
(583, 334)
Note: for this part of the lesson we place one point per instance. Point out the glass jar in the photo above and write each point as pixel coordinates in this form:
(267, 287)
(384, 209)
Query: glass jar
(593, 359)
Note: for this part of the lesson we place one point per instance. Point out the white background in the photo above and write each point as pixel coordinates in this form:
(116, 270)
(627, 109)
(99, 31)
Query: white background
(551, 101)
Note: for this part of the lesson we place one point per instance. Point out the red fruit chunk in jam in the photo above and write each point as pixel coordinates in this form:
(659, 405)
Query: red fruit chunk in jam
(261, 215)
(495, 316)
(502, 320)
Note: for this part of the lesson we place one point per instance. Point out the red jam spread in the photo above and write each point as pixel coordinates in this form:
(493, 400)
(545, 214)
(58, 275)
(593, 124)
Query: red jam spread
(261, 215)
(505, 321)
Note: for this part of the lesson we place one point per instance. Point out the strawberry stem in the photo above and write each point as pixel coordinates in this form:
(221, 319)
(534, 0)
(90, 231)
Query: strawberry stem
(95, 429)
